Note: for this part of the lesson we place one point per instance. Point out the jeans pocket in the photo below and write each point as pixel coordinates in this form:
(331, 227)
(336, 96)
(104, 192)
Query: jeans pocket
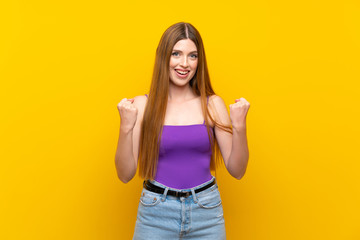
(149, 199)
(210, 199)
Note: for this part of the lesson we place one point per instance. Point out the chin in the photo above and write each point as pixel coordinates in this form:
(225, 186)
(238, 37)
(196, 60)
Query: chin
(180, 82)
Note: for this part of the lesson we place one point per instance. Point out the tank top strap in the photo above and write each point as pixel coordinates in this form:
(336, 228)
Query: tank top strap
(146, 95)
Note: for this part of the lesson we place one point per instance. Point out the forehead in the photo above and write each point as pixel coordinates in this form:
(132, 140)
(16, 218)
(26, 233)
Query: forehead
(185, 45)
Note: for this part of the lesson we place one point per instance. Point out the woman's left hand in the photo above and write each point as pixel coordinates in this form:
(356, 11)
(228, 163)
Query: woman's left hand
(238, 112)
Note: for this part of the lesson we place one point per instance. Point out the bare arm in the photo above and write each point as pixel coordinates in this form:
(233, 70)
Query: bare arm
(239, 156)
(124, 158)
(233, 147)
(127, 151)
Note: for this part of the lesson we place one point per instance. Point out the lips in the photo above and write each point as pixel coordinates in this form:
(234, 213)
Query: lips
(182, 72)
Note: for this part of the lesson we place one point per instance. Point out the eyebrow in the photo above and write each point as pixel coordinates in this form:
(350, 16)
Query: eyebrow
(175, 50)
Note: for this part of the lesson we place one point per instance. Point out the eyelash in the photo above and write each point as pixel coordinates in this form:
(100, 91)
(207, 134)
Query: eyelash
(174, 54)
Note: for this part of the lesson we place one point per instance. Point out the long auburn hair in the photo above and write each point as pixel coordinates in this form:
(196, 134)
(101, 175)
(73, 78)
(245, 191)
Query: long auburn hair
(154, 115)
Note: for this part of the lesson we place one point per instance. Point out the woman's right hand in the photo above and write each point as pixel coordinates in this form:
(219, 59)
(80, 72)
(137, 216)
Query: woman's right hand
(128, 113)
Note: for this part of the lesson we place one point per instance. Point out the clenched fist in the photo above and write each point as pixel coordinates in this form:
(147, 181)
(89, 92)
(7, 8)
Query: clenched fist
(238, 112)
(128, 113)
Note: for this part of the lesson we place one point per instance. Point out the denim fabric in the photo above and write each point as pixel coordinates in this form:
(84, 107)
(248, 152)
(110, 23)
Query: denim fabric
(199, 216)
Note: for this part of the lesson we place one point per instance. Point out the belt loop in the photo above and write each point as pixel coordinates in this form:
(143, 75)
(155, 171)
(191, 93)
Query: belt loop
(163, 197)
(194, 195)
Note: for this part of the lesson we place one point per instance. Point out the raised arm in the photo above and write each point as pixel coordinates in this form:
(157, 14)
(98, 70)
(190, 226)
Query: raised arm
(131, 114)
(233, 147)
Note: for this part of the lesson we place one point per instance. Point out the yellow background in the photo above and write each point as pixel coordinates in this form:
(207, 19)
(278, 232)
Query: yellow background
(64, 66)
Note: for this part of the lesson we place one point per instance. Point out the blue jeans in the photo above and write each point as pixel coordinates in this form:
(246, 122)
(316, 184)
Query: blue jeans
(199, 216)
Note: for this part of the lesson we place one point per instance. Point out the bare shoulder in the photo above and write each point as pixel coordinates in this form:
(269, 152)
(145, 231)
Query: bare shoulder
(140, 101)
(217, 103)
(216, 100)
(218, 109)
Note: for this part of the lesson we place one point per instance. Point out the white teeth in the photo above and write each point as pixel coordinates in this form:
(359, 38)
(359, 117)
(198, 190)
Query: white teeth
(181, 72)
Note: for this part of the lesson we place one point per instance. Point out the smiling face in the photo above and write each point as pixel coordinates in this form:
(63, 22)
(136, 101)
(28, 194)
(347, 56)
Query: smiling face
(183, 62)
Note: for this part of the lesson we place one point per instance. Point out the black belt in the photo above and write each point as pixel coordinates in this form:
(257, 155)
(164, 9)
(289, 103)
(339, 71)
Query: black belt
(156, 189)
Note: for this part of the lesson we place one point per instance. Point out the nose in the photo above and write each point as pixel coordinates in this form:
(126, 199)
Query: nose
(184, 61)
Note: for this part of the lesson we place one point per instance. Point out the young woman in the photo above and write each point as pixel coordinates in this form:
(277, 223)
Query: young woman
(177, 134)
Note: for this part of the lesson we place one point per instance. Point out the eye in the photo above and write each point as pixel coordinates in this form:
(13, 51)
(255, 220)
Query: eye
(194, 55)
(175, 54)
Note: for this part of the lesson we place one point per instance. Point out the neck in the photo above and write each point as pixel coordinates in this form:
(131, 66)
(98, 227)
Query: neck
(180, 93)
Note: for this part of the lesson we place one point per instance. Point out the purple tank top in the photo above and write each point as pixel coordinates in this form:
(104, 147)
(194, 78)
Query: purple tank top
(184, 156)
